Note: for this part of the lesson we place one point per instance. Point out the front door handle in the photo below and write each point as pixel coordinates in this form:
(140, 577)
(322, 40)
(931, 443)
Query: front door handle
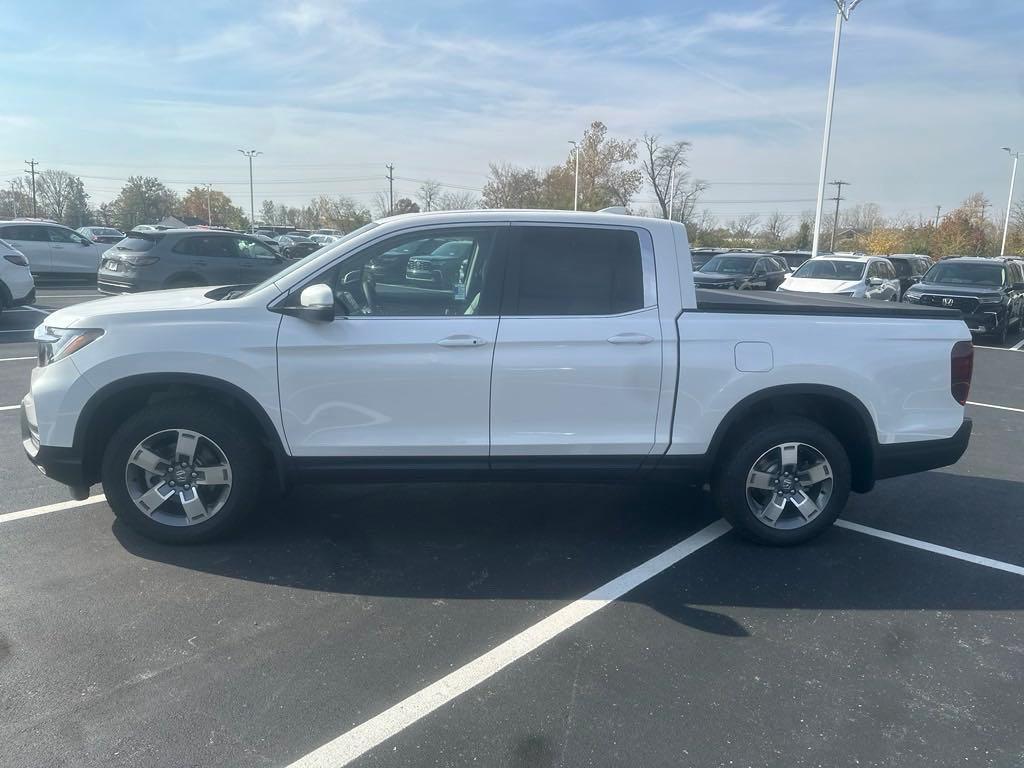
(630, 338)
(462, 340)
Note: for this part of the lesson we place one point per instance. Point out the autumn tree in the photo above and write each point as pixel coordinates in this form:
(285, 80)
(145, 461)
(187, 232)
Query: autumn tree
(512, 187)
(773, 231)
(964, 230)
(16, 200)
(405, 205)
(144, 200)
(607, 173)
(222, 211)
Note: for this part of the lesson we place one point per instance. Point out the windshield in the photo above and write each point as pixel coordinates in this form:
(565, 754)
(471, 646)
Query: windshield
(902, 267)
(730, 265)
(965, 274)
(827, 269)
(299, 262)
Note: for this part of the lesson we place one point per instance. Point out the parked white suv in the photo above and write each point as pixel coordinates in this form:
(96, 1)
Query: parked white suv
(53, 249)
(570, 346)
(859, 277)
(17, 287)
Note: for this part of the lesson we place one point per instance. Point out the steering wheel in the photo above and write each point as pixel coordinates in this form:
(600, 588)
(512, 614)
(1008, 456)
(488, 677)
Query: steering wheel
(362, 280)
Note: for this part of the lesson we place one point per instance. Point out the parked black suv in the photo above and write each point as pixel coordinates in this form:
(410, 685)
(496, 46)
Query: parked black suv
(179, 258)
(988, 292)
(910, 268)
(293, 246)
(743, 271)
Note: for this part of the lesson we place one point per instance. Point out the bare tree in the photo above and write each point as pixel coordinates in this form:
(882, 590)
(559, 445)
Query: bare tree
(774, 230)
(458, 200)
(429, 194)
(62, 196)
(743, 228)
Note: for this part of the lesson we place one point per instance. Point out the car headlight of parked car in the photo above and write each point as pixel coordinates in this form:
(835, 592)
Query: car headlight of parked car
(57, 343)
(913, 298)
(990, 300)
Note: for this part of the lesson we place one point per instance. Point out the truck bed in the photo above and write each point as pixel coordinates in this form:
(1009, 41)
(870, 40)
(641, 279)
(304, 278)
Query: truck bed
(778, 303)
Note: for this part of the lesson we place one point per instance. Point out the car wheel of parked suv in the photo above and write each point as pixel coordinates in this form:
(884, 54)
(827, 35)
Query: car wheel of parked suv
(784, 482)
(182, 473)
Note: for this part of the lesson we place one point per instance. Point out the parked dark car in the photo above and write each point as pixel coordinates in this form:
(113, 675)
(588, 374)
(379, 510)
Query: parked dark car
(390, 267)
(742, 271)
(910, 268)
(988, 292)
(441, 267)
(701, 256)
(179, 258)
(296, 246)
(795, 259)
(102, 234)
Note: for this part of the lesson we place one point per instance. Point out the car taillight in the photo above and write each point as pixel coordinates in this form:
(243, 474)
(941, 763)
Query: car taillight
(961, 368)
(141, 261)
(17, 258)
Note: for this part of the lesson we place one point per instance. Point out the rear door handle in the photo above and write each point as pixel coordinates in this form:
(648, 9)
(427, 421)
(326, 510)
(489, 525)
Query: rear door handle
(631, 338)
(462, 340)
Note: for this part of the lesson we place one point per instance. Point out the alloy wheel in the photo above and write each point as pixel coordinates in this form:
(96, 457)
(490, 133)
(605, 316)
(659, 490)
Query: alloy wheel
(789, 485)
(178, 477)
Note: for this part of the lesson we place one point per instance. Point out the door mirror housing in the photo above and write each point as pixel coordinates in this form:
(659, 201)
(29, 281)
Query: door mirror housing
(316, 304)
(874, 282)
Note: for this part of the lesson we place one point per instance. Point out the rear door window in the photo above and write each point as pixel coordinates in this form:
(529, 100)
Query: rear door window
(136, 243)
(561, 271)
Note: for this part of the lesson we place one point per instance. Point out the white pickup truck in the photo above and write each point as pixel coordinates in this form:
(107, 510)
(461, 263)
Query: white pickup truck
(544, 345)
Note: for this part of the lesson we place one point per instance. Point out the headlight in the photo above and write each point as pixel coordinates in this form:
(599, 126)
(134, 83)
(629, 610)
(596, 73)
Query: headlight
(57, 343)
(990, 300)
(913, 298)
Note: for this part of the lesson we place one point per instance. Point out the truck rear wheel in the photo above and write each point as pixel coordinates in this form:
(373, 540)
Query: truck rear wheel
(784, 482)
(182, 472)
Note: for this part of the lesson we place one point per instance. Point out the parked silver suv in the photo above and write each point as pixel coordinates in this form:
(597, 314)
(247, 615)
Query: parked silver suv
(181, 258)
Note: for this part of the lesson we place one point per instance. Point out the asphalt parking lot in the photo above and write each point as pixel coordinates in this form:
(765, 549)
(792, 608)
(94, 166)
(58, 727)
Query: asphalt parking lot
(519, 625)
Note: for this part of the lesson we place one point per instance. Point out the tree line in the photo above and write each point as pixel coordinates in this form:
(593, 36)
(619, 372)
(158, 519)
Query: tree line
(612, 172)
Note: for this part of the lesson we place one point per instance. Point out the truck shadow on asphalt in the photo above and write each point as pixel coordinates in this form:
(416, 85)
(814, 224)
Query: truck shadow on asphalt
(558, 542)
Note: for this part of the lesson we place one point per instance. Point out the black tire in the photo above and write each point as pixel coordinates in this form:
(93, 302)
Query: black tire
(240, 448)
(729, 484)
(1000, 336)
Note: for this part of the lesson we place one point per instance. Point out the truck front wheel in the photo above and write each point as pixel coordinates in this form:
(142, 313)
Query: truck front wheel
(182, 472)
(783, 482)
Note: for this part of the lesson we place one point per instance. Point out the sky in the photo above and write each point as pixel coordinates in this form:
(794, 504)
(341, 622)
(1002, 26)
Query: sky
(331, 91)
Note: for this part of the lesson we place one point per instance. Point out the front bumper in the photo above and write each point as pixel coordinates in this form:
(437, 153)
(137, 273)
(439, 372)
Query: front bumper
(898, 459)
(65, 465)
(986, 321)
(28, 298)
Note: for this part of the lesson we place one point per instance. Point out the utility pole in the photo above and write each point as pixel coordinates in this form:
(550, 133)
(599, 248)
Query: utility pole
(32, 166)
(835, 221)
(209, 215)
(391, 188)
(251, 153)
(671, 190)
(938, 210)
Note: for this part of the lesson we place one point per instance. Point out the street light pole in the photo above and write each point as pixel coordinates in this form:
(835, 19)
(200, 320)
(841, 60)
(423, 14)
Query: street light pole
(576, 186)
(843, 10)
(209, 216)
(1009, 203)
(251, 153)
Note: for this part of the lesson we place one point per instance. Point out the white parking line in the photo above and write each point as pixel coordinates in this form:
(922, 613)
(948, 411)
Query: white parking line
(1018, 346)
(388, 723)
(23, 330)
(939, 550)
(6, 518)
(30, 309)
(8, 407)
(13, 359)
(997, 407)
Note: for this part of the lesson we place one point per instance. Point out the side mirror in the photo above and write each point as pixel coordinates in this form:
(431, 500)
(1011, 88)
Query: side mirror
(316, 303)
(874, 282)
